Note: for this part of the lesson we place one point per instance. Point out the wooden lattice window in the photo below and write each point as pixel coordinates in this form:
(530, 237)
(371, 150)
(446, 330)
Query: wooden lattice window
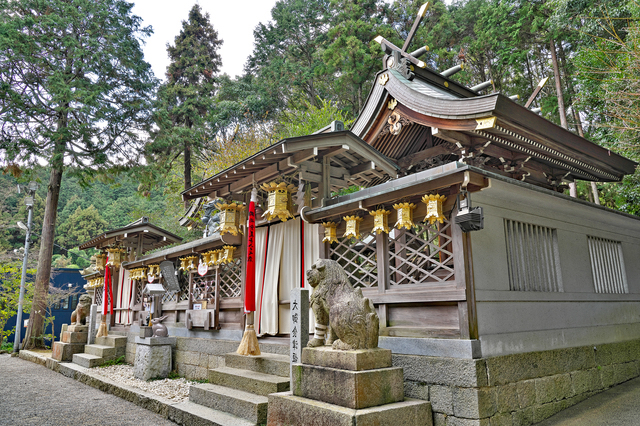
(231, 278)
(204, 287)
(99, 293)
(358, 258)
(170, 297)
(421, 255)
(532, 255)
(607, 265)
(139, 296)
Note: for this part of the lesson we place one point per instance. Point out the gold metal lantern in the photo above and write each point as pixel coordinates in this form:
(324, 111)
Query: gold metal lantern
(227, 255)
(330, 232)
(183, 264)
(154, 270)
(138, 273)
(380, 221)
(353, 226)
(216, 257)
(230, 218)
(280, 203)
(192, 262)
(434, 208)
(405, 215)
(101, 261)
(116, 256)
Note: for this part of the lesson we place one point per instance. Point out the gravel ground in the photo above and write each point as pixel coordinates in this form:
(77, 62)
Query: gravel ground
(176, 390)
(34, 395)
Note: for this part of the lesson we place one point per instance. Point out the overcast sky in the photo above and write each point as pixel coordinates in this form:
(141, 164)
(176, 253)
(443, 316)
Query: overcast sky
(234, 21)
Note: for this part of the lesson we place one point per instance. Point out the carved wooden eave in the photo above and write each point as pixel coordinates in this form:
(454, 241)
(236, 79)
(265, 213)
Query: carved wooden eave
(326, 161)
(489, 131)
(140, 236)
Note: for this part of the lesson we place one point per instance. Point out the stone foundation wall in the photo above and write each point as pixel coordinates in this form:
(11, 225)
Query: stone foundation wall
(192, 357)
(519, 389)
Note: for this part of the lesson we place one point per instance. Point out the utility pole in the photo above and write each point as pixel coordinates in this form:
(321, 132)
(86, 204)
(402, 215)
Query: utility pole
(29, 201)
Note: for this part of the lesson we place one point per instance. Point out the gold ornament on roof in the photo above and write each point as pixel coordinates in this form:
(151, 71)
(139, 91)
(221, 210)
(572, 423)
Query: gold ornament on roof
(116, 256)
(383, 79)
(405, 215)
(434, 208)
(280, 204)
(227, 255)
(392, 104)
(380, 221)
(330, 232)
(353, 226)
(230, 218)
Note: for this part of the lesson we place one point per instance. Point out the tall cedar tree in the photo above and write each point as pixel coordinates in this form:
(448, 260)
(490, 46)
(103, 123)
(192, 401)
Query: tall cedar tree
(186, 100)
(74, 88)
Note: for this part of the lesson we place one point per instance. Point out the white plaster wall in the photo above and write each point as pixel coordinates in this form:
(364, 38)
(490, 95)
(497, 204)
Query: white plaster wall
(519, 321)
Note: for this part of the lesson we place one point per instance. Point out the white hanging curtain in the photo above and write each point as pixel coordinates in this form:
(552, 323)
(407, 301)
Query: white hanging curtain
(268, 319)
(124, 291)
(291, 271)
(261, 251)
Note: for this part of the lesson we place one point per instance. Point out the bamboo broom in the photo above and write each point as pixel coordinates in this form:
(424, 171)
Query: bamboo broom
(249, 344)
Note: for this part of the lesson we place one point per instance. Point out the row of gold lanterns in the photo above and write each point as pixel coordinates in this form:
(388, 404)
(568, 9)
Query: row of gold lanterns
(381, 219)
(138, 273)
(209, 258)
(95, 282)
(114, 254)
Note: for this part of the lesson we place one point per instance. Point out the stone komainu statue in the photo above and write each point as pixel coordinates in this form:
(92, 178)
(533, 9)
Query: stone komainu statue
(79, 316)
(211, 218)
(351, 319)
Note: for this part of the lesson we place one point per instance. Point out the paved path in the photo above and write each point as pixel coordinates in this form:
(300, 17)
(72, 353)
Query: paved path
(619, 406)
(31, 394)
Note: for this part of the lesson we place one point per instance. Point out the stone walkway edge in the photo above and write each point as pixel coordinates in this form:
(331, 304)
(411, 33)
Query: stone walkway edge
(183, 413)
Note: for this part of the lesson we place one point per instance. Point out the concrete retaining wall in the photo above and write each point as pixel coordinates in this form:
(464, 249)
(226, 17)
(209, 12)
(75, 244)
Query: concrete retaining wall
(517, 389)
(192, 357)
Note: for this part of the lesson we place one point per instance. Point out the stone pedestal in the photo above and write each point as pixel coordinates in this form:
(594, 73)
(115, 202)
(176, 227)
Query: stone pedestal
(153, 357)
(347, 387)
(72, 342)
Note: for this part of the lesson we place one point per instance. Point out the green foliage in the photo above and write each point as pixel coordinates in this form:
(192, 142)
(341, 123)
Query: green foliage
(116, 361)
(81, 226)
(310, 118)
(10, 277)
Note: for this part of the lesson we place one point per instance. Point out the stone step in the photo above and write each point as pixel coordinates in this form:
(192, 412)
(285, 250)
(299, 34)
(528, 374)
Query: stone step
(100, 350)
(88, 360)
(189, 413)
(267, 363)
(250, 381)
(237, 402)
(112, 340)
(288, 409)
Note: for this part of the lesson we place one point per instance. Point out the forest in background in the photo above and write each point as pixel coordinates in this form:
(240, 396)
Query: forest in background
(314, 62)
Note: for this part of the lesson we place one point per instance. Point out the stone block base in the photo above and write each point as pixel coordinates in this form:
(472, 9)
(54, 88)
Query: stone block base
(351, 389)
(74, 337)
(358, 360)
(288, 409)
(64, 351)
(152, 361)
(78, 328)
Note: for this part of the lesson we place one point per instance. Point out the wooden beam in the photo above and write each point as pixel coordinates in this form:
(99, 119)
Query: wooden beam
(361, 168)
(415, 158)
(414, 28)
(535, 92)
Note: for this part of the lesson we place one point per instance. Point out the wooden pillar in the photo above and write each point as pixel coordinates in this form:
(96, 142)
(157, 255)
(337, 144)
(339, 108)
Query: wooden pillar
(463, 269)
(382, 255)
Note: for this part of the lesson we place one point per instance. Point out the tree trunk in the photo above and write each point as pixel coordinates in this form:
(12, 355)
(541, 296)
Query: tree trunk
(563, 115)
(187, 169)
(33, 336)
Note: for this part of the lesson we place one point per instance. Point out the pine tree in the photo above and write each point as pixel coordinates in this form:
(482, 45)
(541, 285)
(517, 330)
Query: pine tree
(186, 100)
(74, 89)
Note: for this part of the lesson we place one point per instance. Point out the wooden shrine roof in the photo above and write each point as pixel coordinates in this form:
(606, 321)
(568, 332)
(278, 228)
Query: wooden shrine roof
(150, 236)
(438, 118)
(352, 162)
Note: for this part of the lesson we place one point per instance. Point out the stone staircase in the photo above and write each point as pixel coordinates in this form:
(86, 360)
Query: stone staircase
(238, 391)
(104, 349)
